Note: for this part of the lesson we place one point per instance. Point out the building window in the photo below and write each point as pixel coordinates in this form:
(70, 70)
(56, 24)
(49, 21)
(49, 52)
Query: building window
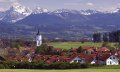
(110, 62)
(79, 61)
(113, 57)
(75, 60)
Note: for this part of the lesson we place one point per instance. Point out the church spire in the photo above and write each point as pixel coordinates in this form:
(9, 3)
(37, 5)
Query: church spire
(38, 33)
(38, 39)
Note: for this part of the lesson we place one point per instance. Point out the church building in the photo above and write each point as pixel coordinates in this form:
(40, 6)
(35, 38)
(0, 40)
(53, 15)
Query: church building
(38, 39)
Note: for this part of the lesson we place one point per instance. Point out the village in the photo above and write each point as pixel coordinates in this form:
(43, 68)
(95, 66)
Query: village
(48, 54)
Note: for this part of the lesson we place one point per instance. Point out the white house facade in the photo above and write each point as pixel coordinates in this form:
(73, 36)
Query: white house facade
(97, 62)
(112, 60)
(77, 60)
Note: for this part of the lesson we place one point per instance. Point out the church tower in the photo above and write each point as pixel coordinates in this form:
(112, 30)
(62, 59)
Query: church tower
(38, 39)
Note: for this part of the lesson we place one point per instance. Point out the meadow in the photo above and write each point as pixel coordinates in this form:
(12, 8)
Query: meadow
(68, 45)
(70, 70)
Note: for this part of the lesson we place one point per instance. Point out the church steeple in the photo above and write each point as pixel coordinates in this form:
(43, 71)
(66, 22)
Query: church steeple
(38, 33)
(38, 39)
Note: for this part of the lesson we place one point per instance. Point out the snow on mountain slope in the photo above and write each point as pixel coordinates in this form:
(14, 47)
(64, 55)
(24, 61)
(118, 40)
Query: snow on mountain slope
(88, 12)
(39, 10)
(83, 12)
(117, 10)
(16, 13)
(1, 15)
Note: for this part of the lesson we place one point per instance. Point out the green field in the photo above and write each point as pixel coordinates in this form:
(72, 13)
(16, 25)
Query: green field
(68, 45)
(76, 70)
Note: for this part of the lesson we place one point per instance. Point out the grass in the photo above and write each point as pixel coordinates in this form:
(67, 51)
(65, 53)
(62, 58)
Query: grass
(111, 68)
(69, 70)
(68, 45)
(105, 67)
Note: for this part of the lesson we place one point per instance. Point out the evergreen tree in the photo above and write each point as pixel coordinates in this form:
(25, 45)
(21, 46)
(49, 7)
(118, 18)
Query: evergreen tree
(80, 49)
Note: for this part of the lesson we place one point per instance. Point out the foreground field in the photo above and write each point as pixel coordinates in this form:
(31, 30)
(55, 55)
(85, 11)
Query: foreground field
(68, 45)
(76, 70)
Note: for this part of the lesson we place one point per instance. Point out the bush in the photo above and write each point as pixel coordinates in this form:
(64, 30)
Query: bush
(40, 65)
(59, 65)
(74, 65)
(10, 64)
(64, 66)
(2, 66)
(84, 66)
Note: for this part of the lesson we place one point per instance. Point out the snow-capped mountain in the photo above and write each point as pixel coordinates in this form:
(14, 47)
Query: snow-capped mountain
(117, 10)
(16, 13)
(20, 9)
(83, 12)
(19, 12)
(1, 15)
(61, 11)
(39, 10)
(88, 12)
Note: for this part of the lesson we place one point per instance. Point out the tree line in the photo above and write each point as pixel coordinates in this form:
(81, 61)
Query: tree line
(113, 36)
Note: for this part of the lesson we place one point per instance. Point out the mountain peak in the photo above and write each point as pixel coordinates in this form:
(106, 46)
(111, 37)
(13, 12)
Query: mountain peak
(116, 10)
(64, 11)
(39, 10)
(83, 12)
(88, 12)
(16, 12)
(20, 9)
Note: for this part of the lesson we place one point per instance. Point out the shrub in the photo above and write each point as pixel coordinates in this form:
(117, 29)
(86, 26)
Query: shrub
(84, 66)
(41, 65)
(64, 65)
(59, 65)
(74, 65)
(2, 66)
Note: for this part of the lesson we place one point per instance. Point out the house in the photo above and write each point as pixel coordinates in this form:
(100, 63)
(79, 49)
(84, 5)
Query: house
(52, 59)
(103, 50)
(77, 59)
(95, 61)
(112, 60)
(89, 50)
(27, 51)
(88, 57)
(100, 58)
(19, 58)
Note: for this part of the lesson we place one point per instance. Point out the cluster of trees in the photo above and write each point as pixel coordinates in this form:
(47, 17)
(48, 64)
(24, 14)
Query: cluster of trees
(97, 37)
(113, 36)
(47, 50)
(50, 50)
(4, 43)
(41, 65)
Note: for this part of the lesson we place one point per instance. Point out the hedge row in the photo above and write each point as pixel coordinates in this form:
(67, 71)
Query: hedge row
(41, 65)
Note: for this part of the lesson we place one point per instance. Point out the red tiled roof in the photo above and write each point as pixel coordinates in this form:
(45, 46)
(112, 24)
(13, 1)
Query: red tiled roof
(116, 53)
(87, 57)
(103, 49)
(103, 57)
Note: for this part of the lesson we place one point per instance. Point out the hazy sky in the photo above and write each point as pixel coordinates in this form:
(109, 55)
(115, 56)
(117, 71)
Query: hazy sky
(67, 4)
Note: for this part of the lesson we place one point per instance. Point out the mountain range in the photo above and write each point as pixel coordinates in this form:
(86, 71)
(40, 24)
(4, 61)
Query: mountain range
(20, 21)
